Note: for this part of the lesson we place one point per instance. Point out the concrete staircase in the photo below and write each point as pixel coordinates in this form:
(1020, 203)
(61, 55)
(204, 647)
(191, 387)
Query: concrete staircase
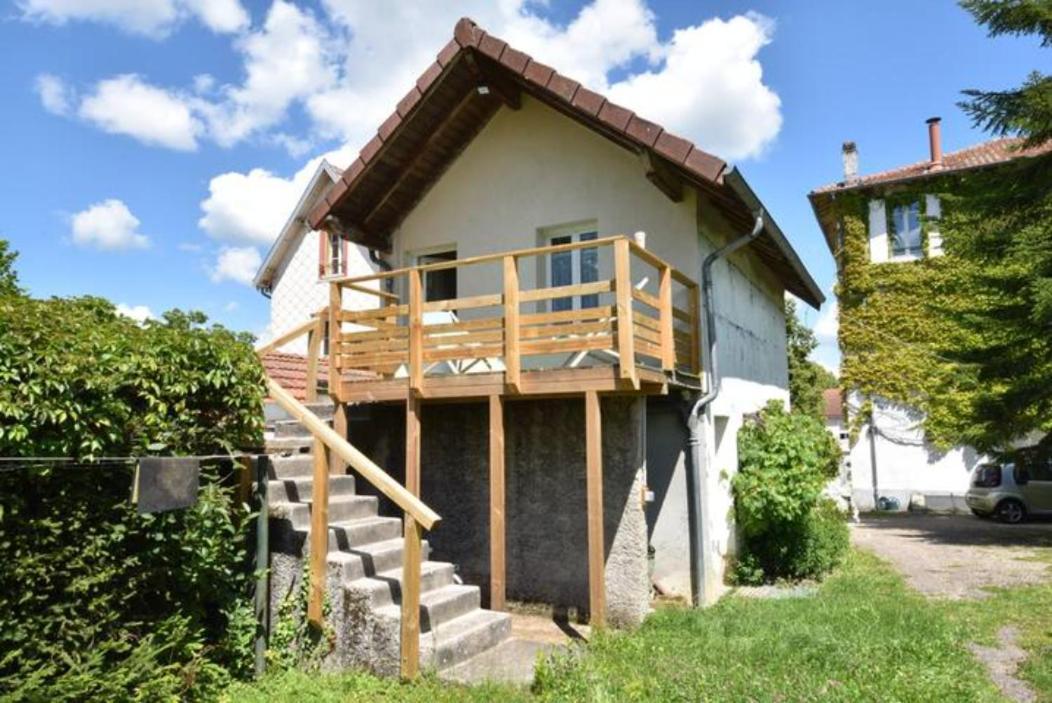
(365, 567)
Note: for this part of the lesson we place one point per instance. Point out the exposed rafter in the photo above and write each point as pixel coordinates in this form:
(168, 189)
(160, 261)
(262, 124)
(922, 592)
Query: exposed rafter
(507, 91)
(662, 176)
(356, 234)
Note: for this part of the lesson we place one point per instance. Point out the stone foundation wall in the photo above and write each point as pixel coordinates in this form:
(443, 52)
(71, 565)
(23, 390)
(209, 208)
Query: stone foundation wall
(546, 518)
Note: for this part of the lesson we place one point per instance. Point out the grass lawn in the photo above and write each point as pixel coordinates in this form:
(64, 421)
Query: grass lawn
(863, 637)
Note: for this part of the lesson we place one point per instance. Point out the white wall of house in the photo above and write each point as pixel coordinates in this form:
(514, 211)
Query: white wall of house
(533, 169)
(298, 290)
(908, 467)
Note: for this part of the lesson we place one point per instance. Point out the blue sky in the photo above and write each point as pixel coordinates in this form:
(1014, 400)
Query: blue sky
(141, 144)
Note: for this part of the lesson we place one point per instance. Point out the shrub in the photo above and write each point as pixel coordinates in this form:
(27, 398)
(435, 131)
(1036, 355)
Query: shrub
(787, 529)
(97, 601)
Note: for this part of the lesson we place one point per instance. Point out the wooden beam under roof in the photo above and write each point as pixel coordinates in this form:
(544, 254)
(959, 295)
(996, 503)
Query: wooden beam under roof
(662, 176)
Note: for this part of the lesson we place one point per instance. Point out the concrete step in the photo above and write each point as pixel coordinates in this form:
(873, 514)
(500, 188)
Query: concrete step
(440, 605)
(292, 490)
(342, 509)
(464, 637)
(323, 408)
(296, 466)
(297, 444)
(385, 588)
(352, 534)
(372, 559)
(292, 428)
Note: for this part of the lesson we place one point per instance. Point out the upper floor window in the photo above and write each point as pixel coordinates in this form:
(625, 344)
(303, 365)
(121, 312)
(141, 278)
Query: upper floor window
(904, 227)
(440, 284)
(332, 255)
(567, 268)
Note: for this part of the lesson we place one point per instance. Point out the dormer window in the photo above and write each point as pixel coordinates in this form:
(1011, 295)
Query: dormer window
(904, 226)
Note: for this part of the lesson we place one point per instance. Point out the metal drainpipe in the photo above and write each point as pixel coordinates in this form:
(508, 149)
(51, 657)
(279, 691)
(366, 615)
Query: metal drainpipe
(374, 256)
(695, 479)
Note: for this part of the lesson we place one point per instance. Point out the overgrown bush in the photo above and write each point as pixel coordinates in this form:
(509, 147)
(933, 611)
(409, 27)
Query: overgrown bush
(788, 530)
(98, 602)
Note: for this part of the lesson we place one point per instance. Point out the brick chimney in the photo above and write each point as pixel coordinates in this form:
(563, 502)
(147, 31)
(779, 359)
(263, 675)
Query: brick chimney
(850, 154)
(935, 141)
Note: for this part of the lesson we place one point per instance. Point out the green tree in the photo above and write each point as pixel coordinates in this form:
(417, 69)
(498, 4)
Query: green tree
(8, 276)
(1004, 227)
(807, 378)
(1026, 110)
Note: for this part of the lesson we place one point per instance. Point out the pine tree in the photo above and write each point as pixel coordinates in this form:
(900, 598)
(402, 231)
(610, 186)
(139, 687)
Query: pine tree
(1026, 110)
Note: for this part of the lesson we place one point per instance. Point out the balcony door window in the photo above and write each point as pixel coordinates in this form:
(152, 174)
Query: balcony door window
(567, 268)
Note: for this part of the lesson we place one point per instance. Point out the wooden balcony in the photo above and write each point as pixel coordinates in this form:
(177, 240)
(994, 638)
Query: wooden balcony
(633, 328)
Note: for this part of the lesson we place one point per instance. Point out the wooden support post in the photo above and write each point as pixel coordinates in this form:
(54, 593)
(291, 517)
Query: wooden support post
(596, 548)
(512, 361)
(416, 330)
(496, 503)
(410, 635)
(412, 445)
(695, 329)
(335, 329)
(319, 534)
(668, 344)
(313, 352)
(623, 293)
(245, 475)
(337, 466)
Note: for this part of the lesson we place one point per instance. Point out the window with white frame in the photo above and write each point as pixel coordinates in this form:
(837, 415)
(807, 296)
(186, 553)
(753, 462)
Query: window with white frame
(567, 268)
(904, 228)
(440, 284)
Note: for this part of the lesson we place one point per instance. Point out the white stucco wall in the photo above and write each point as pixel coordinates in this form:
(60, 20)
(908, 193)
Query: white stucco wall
(906, 463)
(534, 168)
(298, 291)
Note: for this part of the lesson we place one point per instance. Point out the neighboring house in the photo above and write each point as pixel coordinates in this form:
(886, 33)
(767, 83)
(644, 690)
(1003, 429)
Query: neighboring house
(529, 386)
(297, 268)
(891, 459)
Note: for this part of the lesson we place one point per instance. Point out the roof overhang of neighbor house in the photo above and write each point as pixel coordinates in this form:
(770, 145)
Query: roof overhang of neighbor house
(296, 226)
(475, 75)
(987, 155)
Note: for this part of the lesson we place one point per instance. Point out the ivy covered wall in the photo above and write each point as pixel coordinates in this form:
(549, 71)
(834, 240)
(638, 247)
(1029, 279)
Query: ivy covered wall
(948, 334)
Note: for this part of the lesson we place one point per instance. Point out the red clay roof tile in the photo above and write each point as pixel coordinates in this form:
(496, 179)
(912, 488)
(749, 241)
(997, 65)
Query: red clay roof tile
(538, 73)
(643, 131)
(588, 100)
(389, 125)
(563, 87)
(492, 47)
(429, 76)
(449, 51)
(371, 149)
(408, 102)
(514, 59)
(615, 116)
(673, 148)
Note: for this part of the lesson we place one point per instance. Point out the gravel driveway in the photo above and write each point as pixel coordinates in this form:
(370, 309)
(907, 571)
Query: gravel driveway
(958, 556)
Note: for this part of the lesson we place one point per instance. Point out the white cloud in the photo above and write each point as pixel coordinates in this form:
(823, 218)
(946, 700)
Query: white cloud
(56, 97)
(288, 59)
(108, 225)
(139, 313)
(152, 18)
(238, 264)
(127, 105)
(826, 325)
(710, 87)
(231, 306)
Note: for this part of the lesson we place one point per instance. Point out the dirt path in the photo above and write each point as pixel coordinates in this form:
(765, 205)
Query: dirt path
(957, 556)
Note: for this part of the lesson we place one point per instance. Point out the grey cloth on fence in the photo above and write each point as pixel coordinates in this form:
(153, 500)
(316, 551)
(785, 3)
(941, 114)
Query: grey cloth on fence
(166, 483)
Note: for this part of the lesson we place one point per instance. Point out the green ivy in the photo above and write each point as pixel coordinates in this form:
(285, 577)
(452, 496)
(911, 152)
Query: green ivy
(954, 335)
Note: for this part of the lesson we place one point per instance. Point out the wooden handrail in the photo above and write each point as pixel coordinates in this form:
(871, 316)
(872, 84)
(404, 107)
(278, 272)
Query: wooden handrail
(410, 504)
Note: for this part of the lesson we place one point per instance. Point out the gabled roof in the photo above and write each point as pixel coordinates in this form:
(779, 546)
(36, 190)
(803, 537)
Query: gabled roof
(296, 226)
(476, 74)
(989, 153)
(832, 403)
(986, 155)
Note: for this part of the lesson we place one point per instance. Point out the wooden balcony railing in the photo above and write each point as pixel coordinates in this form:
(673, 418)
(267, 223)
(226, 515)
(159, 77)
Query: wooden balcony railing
(627, 319)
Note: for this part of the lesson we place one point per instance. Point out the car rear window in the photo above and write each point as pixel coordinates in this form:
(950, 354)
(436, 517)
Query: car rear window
(987, 476)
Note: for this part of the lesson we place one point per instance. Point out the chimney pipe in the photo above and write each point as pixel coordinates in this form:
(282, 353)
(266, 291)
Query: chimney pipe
(850, 154)
(935, 140)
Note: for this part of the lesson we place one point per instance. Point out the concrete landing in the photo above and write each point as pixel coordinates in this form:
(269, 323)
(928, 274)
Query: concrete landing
(514, 660)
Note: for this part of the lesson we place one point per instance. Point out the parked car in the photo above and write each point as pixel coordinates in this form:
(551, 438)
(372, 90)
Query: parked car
(1013, 490)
